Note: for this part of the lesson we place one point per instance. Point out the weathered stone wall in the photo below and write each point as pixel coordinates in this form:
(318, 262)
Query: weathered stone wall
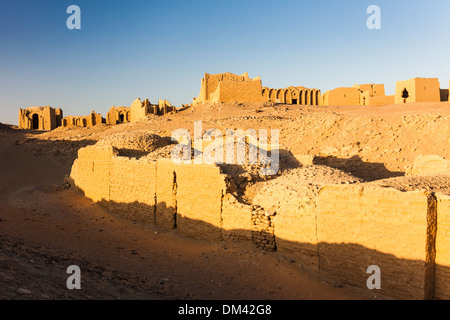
(82, 121)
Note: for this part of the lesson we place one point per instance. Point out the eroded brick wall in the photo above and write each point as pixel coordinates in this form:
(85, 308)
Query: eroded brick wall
(166, 195)
(296, 233)
(362, 226)
(91, 171)
(132, 189)
(237, 224)
(339, 234)
(200, 189)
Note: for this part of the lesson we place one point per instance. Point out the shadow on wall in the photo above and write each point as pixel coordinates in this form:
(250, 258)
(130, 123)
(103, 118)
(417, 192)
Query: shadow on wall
(444, 95)
(368, 171)
(338, 263)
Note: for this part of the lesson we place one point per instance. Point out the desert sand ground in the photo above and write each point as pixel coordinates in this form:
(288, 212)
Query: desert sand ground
(46, 226)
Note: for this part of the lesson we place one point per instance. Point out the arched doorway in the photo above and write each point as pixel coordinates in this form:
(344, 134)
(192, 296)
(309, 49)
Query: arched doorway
(287, 97)
(265, 93)
(272, 96)
(121, 117)
(294, 96)
(35, 122)
(279, 96)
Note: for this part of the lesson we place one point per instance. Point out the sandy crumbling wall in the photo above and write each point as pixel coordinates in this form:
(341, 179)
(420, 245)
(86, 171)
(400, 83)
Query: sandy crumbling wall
(360, 94)
(185, 197)
(82, 121)
(296, 233)
(362, 226)
(237, 224)
(132, 189)
(200, 189)
(381, 101)
(336, 234)
(142, 109)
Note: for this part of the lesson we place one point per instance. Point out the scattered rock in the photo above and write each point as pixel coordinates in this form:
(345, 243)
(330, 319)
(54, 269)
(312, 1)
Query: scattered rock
(24, 292)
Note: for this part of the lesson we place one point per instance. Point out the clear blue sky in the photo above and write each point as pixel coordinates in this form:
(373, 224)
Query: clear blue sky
(161, 49)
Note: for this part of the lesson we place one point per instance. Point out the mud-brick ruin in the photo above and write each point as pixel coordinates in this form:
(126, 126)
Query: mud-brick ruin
(118, 115)
(47, 118)
(142, 109)
(331, 230)
(83, 121)
(229, 88)
(293, 95)
(40, 118)
(417, 90)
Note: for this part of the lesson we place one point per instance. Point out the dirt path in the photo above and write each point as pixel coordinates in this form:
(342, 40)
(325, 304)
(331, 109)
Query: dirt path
(45, 228)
